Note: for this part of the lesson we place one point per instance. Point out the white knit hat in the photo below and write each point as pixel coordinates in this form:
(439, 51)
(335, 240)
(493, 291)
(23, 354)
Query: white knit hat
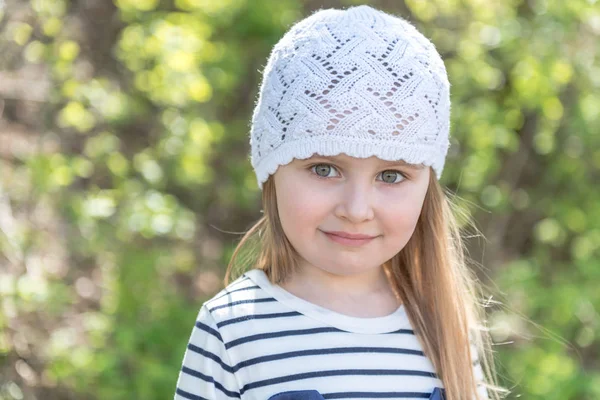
(355, 81)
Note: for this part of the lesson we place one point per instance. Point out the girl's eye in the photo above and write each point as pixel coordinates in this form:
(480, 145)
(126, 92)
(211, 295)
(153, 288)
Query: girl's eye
(322, 170)
(390, 176)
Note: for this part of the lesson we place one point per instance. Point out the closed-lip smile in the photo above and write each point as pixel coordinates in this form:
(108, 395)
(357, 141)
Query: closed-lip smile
(355, 236)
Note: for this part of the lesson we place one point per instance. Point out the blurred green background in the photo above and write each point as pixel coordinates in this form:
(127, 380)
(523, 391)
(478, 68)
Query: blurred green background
(125, 180)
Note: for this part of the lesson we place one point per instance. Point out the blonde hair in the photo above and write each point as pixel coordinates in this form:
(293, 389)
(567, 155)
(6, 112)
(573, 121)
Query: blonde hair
(429, 274)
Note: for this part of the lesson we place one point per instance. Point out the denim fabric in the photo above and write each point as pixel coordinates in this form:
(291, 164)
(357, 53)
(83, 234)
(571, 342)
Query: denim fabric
(298, 395)
(438, 394)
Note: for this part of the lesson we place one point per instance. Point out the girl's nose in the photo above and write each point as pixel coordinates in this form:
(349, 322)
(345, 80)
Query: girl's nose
(356, 203)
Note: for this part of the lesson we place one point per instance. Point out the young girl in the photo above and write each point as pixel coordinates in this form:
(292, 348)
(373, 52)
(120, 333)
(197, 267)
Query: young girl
(356, 285)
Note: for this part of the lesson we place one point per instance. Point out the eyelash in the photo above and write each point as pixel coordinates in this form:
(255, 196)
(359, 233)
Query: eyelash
(310, 167)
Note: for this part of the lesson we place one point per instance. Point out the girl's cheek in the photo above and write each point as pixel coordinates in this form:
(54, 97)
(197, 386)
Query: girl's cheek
(309, 201)
(310, 206)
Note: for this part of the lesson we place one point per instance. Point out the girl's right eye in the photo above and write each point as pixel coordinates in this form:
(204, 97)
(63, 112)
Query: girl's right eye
(321, 170)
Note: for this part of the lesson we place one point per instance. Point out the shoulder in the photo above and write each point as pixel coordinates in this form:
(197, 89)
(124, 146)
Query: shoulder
(241, 298)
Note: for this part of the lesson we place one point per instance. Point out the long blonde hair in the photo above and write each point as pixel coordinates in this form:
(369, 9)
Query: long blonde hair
(430, 275)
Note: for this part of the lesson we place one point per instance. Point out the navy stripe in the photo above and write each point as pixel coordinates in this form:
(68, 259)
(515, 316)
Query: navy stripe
(295, 332)
(209, 379)
(233, 291)
(403, 331)
(210, 355)
(235, 303)
(343, 372)
(257, 316)
(373, 395)
(188, 395)
(312, 352)
(208, 329)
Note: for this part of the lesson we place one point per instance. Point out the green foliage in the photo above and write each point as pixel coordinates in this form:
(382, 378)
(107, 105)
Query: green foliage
(129, 145)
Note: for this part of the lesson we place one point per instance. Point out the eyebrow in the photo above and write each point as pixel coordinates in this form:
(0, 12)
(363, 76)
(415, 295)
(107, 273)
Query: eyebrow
(384, 162)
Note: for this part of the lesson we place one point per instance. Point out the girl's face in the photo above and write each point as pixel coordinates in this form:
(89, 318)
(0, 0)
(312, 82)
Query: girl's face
(366, 196)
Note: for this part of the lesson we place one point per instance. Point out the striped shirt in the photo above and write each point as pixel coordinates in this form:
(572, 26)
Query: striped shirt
(254, 340)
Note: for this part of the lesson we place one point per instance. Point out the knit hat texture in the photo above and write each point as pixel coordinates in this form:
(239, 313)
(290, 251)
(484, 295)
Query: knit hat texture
(357, 81)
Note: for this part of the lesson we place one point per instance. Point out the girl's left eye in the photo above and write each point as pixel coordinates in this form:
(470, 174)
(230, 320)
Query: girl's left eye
(388, 176)
(392, 173)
